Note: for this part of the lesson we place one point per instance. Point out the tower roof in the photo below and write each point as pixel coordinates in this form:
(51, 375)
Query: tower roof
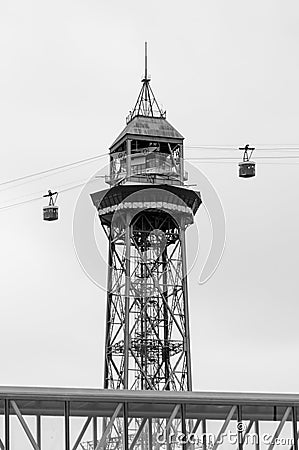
(151, 127)
(147, 119)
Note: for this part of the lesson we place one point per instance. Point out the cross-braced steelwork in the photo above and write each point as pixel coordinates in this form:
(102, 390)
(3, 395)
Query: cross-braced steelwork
(147, 338)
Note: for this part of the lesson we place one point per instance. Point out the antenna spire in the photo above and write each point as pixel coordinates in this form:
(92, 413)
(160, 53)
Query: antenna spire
(145, 62)
(146, 105)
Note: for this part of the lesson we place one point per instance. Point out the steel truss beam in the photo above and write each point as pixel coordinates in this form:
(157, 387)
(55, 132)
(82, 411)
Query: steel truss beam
(280, 427)
(173, 413)
(24, 425)
(224, 427)
(109, 427)
(82, 432)
(147, 333)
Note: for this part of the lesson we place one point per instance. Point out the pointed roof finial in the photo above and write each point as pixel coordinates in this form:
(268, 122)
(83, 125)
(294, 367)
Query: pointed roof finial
(146, 78)
(146, 105)
(145, 62)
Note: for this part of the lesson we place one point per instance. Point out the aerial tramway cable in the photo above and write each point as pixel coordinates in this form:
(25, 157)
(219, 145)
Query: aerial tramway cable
(77, 163)
(203, 159)
(39, 197)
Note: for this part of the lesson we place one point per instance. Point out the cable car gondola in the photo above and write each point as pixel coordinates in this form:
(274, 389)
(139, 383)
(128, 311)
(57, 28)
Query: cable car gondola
(50, 212)
(247, 167)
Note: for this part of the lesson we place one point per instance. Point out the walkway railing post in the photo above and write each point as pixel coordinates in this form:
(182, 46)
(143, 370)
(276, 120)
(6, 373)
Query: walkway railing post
(295, 430)
(6, 424)
(67, 424)
(38, 431)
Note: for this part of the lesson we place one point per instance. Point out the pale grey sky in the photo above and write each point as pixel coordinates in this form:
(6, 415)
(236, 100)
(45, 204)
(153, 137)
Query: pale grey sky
(227, 72)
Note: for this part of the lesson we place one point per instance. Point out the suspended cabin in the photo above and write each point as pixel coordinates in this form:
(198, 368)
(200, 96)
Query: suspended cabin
(246, 169)
(50, 213)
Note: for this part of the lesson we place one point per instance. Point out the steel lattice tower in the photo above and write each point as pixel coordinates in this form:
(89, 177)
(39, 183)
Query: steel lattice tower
(144, 214)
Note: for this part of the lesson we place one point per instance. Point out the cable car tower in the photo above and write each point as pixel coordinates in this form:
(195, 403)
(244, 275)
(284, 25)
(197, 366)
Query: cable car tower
(145, 214)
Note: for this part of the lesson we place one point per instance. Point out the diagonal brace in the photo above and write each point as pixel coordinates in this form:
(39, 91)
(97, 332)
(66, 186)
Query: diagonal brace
(224, 427)
(24, 425)
(109, 426)
(247, 430)
(82, 432)
(280, 427)
(193, 431)
(138, 433)
(172, 416)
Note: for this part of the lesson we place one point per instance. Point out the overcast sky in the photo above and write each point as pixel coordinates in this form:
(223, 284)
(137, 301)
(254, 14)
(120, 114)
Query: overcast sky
(227, 72)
